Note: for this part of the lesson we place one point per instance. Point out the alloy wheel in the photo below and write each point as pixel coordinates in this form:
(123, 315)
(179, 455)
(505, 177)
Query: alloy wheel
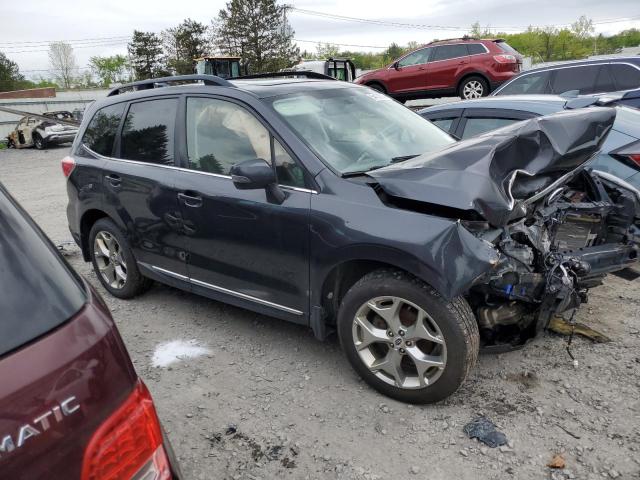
(472, 89)
(399, 342)
(109, 260)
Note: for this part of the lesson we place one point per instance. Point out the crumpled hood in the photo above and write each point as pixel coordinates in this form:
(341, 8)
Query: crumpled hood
(488, 174)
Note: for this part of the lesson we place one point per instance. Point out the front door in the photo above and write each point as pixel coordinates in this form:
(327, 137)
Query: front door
(139, 191)
(410, 73)
(244, 246)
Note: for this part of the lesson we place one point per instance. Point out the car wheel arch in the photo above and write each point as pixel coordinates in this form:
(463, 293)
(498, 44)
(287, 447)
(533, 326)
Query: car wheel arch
(473, 74)
(89, 218)
(342, 276)
(379, 83)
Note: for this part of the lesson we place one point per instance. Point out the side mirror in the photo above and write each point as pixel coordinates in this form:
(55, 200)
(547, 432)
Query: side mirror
(252, 174)
(396, 65)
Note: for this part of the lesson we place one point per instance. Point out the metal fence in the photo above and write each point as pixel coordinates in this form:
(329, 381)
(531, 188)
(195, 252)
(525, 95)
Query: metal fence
(71, 101)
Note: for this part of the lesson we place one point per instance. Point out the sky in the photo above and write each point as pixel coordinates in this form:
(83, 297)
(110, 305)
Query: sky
(99, 27)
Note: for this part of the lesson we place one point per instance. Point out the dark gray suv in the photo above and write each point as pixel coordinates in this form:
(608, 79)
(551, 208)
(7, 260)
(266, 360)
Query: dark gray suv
(331, 205)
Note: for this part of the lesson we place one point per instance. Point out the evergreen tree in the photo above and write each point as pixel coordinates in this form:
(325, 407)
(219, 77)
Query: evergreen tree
(10, 76)
(259, 32)
(145, 54)
(183, 44)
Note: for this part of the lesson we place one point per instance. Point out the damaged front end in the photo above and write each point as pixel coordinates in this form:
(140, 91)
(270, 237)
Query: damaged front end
(527, 190)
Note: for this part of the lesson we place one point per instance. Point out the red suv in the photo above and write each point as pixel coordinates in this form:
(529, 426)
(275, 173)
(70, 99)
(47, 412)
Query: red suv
(71, 404)
(469, 68)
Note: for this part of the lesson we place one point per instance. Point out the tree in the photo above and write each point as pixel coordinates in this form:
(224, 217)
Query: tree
(258, 31)
(10, 76)
(63, 62)
(183, 44)
(327, 50)
(145, 53)
(583, 27)
(109, 69)
(392, 53)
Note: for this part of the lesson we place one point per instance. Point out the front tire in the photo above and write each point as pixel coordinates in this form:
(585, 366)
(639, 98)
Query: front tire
(473, 87)
(404, 339)
(113, 261)
(377, 87)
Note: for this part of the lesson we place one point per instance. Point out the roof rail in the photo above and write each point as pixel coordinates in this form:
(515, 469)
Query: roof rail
(166, 81)
(466, 37)
(292, 73)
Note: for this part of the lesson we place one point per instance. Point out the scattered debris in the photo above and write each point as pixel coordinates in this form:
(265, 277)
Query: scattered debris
(485, 430)
(560, 326)
(231, 429)
(167, 353)
(568, 432)
(527, 378)
(557, 461)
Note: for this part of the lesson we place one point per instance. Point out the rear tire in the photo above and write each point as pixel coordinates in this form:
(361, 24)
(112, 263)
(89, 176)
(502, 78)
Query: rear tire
(473, 87)
(113, 261)
(39, 142)
(431, 353)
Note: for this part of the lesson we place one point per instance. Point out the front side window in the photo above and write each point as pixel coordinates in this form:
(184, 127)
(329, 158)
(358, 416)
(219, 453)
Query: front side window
(102, 129)
(221, 134)
(147, 134)
(476, 126)
(416, 58)
(356, 129)
(626, 76)
(582, 79)
(531, 83)
(446, 52)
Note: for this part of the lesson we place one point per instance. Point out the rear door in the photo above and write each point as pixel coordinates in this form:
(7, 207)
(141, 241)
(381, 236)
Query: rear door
(581, 79)
(444, 65)
(244, 246)
(411, 72)
(139, 189)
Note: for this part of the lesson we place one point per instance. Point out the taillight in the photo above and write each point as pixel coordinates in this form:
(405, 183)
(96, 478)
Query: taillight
(68, 164)
(635, 158)
(128, 445)
(505, 58)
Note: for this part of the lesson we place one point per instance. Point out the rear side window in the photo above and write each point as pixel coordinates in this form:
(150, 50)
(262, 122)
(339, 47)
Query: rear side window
(147, 134)
(39, 292)
(604, 80)
(531, 83)
(626, 76)
(476, 48)
(101, 131)
(445, 52)
(506, 48)
(476, 126)
(582, 79)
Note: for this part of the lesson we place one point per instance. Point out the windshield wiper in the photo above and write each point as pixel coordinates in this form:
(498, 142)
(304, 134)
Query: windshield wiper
(361, 172)
(375, 167)
(404, 157)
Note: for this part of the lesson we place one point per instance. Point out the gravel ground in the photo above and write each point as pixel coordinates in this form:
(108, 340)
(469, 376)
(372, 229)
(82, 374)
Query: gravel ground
(301, 412)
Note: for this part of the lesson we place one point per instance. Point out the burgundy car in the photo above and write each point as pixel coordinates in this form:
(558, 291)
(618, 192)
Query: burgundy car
(71, 403)
(468, 68)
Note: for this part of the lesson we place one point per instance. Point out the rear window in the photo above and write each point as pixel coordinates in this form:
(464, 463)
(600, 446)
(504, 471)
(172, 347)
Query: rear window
(445, 52)
(582, 79)
(626, 76)
(147, 134)
(39, 292)
(506, 48)
(476, 48)
(102, 130)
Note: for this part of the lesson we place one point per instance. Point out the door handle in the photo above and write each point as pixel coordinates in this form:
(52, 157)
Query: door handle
(190, 200)
(114, 180)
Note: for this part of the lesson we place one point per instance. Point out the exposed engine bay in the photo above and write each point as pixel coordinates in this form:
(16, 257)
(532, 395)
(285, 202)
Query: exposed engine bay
(564, 245)
(544, 227)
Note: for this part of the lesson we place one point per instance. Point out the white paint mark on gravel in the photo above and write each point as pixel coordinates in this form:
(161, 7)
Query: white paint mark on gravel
(167, 353)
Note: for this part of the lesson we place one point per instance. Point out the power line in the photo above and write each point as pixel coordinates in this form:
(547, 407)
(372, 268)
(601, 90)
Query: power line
(46, 42)
(82, 46)
(437, 27)
(339, 44)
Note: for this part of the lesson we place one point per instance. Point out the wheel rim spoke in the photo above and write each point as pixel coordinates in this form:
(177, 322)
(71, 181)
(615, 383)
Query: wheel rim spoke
(388, 329)
(369, 334)
(109, 260)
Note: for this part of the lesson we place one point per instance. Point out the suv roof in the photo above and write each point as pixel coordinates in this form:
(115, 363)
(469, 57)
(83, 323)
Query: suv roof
(463, 40)
(595, 61)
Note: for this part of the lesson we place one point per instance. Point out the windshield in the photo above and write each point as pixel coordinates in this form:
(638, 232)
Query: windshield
(358, 129)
